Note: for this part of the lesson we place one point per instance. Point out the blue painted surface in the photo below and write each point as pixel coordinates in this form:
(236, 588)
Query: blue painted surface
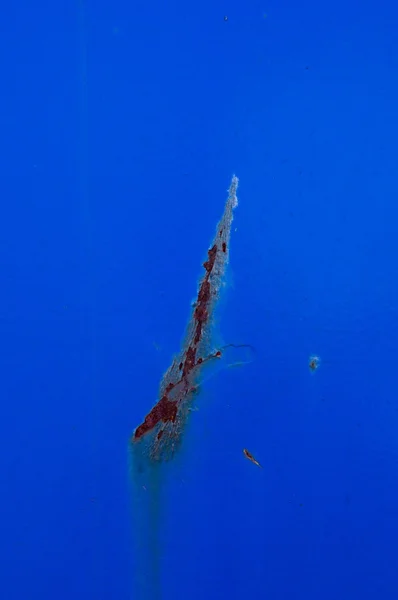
(121, 125)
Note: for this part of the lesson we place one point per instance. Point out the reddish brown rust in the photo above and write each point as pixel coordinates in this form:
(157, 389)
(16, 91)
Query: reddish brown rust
(190, 361)
(198, 333)
(204, 292)
(164, 410)
(201, 313)
(209, 264)
(182, 374)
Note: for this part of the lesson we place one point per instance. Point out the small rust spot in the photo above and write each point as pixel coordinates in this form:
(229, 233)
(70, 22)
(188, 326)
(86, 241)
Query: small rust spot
(209, 264)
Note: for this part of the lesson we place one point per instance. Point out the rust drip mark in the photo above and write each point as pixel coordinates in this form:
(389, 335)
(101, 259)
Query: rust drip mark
(179, 382)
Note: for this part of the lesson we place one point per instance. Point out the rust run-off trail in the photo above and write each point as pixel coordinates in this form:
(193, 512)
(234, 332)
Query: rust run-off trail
(159, 434)
(158, 437)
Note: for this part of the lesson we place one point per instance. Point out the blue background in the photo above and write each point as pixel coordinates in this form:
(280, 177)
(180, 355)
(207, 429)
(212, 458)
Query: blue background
(121, 125)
